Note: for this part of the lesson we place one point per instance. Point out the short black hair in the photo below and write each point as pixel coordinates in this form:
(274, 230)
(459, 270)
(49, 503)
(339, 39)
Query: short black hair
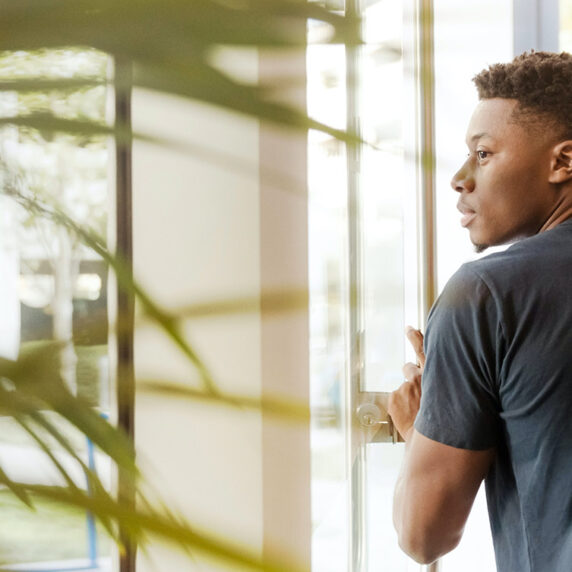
(541, 83)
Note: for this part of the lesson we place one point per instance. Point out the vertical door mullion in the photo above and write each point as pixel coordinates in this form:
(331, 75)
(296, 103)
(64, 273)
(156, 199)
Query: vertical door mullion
(427, 257)
(125, 376)
(358, 536)
(426, 254)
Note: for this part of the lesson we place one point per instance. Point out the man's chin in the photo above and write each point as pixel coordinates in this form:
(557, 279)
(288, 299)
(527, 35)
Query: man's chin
(479, 248)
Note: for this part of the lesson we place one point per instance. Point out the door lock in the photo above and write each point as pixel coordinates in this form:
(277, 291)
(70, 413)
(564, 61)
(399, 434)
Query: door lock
(371, 414)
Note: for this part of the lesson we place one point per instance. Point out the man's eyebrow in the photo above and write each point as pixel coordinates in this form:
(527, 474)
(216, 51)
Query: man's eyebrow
(477, 136)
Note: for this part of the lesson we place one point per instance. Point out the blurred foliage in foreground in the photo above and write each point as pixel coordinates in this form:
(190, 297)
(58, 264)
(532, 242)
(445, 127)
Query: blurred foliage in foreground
(173, 47)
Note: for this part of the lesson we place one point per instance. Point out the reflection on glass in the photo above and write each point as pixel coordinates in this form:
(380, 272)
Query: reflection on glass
(54, 289)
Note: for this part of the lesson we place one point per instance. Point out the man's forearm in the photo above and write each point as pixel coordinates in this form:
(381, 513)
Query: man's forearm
(416, 535)
(434, 495)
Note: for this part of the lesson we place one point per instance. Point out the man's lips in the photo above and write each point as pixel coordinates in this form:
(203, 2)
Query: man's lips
(468, 214)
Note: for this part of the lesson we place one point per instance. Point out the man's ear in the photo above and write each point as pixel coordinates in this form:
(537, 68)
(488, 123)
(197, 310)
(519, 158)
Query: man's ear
(561, 165)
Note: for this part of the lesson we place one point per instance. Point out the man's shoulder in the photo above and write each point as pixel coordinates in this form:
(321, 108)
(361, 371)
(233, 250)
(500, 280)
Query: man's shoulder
(528, 257)
(467, 291)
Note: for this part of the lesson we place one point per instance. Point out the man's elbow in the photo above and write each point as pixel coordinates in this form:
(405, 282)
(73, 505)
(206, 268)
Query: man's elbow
(425, 548)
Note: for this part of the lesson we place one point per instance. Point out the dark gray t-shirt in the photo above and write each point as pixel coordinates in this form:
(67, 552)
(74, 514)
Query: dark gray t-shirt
(499, 374)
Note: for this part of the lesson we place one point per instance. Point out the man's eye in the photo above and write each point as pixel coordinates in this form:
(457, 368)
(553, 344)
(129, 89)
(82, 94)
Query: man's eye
(481, 155)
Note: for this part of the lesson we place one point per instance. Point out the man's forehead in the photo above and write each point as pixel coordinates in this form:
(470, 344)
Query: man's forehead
(474, 137)
(490, 118)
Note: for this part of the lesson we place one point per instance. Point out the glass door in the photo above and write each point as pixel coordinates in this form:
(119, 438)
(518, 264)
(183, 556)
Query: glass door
(54, 298)
(372, 254)
(385, 272)
(372, 272)
(383, 268)
(363, 281)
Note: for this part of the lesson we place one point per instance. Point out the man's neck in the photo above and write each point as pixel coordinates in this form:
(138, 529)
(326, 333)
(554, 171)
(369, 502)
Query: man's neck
(562, 211)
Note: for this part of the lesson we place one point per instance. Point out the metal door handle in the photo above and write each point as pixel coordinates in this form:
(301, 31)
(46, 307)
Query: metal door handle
(371, 413)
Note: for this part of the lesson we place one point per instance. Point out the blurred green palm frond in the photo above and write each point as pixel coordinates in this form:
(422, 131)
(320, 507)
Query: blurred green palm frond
(164, 30)
(172, 46)
(31, 391)
(274, 302)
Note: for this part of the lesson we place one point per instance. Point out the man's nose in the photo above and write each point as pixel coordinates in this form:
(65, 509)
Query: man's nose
(463, 179)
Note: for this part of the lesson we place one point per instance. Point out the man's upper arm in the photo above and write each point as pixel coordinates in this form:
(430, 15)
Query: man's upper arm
(434, 495)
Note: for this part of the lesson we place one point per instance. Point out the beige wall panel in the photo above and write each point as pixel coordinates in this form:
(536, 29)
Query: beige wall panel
(196, 240)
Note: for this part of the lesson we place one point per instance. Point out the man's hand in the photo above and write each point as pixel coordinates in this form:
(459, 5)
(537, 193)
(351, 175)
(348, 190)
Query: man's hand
(437, 483)
(403, 403)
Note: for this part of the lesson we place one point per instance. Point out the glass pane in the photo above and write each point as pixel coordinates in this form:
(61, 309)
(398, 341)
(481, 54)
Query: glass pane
(566, 25)
(382, 193)
(329, 310)
(383, 552)
(386, 195)
(54, 290)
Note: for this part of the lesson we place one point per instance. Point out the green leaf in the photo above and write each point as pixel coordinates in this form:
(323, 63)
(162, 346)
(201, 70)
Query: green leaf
(170, 42)
(138, 523)
(17, 489)
(37, 386)
(48, 84)
(135, 28)
(280, 407)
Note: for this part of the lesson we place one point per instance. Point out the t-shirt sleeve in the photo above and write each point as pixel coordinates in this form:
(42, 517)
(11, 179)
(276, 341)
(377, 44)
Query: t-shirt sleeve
(463, 347)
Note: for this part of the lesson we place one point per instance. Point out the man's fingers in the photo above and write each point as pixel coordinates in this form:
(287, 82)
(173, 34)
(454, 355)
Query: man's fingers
(412, 372)
(415, 338)
(403, 405)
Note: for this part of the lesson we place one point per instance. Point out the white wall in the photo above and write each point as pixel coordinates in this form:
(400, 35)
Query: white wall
(215, 222)
(196, 239)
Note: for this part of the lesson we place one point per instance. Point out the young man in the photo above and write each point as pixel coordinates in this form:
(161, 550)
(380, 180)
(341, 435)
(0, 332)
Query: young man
(495, 402)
